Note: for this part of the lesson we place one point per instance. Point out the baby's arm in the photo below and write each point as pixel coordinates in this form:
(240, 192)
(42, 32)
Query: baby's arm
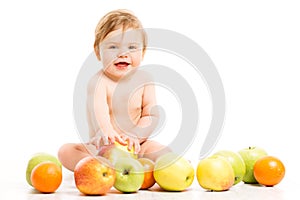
(149, 117)
(103, 132)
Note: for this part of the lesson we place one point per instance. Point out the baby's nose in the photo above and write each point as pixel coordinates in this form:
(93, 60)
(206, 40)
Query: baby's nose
(123, 53)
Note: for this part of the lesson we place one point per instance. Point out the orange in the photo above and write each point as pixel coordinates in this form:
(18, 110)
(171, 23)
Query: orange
(268, 170)
(148, 165)
(149, 180)
(46, 177)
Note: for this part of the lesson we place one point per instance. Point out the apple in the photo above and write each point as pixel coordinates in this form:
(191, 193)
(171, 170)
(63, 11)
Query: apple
(215, 173)
(114, 151)
(129, 175)
(148, 165)
(37, 159)
(94, 175)
(236, 162)
(173, 172)
(250, 156)
(124, 148)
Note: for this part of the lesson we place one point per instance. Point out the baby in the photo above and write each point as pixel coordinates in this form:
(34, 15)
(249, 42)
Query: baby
(120, 98)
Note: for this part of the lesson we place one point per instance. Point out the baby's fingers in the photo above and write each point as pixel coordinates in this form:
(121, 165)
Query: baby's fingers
(121, 139)
(105, 140)
(135, 144)
(130, 144)
(95, 141)
(137, 147)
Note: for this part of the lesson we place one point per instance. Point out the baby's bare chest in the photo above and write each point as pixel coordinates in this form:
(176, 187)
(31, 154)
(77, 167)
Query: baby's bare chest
(125, 100)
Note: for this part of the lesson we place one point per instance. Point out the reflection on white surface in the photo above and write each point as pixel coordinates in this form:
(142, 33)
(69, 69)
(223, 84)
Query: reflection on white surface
(241, 191)
(68, 190)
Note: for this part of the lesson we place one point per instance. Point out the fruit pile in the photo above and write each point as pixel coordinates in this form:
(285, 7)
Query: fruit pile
(117, 167)
(252, 165)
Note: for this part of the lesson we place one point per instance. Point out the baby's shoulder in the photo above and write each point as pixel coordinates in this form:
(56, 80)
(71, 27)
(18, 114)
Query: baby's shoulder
(144, 76)
(96, 79)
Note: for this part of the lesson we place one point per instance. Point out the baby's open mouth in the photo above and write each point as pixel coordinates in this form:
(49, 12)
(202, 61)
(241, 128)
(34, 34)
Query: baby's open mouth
(122, 65)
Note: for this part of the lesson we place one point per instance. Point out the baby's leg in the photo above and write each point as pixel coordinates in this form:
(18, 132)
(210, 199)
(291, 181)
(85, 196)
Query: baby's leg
(70, 154)
(152, 150)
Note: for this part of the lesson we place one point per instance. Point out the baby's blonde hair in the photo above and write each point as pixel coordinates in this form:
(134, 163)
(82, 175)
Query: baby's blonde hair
(114, 20)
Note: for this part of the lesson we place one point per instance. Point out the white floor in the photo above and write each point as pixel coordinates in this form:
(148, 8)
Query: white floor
(14, 186)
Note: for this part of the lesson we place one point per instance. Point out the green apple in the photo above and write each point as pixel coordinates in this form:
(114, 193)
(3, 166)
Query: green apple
(236, 162)
(250, 155)
(115, 151)
(94, 175)
(215, 173)
(37, 159)
(129, 174)
(173, 172)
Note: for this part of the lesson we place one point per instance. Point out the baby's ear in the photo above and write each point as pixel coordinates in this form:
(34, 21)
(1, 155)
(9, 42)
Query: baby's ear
(143, 53)
(97, 52)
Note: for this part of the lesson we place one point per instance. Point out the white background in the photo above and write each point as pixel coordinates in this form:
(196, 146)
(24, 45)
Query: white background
(255, 46)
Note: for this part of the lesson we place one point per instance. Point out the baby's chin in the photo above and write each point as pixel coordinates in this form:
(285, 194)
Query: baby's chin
(113, 73)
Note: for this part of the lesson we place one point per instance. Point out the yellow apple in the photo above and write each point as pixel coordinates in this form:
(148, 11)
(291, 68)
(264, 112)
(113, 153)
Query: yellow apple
(115, 151)
(124, 148)
(173, 172)
(236, 162)
(215, 173)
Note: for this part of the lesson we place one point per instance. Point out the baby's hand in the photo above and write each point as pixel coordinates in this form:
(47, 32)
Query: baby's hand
(132, 142)
(101, 139)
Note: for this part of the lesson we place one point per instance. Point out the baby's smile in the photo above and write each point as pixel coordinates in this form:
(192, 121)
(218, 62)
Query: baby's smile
(122, 65)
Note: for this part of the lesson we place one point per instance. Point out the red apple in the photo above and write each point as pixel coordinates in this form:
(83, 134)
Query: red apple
(148, 165)
(94, 175)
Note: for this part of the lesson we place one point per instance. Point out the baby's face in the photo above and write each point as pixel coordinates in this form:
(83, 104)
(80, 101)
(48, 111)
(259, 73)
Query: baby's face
(121, 52)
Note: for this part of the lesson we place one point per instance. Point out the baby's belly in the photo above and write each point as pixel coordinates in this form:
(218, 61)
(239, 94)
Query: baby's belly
(125, 122)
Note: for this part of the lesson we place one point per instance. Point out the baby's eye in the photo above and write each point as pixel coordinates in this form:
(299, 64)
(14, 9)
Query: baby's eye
(112, 47)
(132, 47)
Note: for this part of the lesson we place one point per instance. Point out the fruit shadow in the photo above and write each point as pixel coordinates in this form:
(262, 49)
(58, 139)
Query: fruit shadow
(156, 188)
(34, 191)
(217, 191)
(36, 195)
(256, 185)
(115, 192)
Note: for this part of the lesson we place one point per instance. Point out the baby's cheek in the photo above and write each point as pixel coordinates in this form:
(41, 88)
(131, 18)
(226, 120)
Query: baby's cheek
(136, 59)
(135, 63)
